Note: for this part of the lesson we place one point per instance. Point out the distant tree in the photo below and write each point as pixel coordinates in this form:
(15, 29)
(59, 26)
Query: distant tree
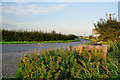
(72, 36)
(53, 32)
(80, 36)
(90, 37)
(108, 28)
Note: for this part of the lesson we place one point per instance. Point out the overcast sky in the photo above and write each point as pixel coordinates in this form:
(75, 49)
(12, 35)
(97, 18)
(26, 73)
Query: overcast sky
(64, 17)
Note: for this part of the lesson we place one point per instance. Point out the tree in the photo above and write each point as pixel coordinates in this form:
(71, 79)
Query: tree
(90, 37)
(108, 28)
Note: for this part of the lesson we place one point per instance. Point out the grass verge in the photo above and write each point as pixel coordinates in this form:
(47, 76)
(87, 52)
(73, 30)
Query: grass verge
(31, 42)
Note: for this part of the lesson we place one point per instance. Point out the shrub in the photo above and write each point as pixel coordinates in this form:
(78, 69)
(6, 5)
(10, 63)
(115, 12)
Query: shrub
(65, 63)
(90, 37)
(99, 38)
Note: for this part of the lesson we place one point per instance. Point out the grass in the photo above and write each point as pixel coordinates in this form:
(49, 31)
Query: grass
(86, 38)
(31, 42)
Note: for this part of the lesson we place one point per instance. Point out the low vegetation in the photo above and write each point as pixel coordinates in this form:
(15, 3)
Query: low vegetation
(68, 63)
(114, 52)
(85, 38)
(31, 42)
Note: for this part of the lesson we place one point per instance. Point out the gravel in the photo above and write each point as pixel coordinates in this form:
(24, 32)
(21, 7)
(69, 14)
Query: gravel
(9, 62)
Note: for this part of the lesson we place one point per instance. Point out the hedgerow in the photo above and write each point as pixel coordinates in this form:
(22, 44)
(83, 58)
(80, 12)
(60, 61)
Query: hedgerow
(11, 35)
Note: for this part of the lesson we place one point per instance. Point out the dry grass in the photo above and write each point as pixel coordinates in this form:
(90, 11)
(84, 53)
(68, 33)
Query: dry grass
(93, 49)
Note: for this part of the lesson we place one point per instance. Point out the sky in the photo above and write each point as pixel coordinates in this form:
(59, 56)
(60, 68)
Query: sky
(60, 0)
(63, 17)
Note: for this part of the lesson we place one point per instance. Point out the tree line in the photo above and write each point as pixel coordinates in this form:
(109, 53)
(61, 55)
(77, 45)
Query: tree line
(12, 35)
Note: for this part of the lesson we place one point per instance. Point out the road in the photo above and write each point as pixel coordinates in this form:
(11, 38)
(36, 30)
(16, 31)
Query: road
(11, 54)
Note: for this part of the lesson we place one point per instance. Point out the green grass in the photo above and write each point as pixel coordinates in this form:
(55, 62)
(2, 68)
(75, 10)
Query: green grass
(27, 42)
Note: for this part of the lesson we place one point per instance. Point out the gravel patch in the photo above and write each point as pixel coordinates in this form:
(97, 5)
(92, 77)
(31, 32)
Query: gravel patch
(9, 62)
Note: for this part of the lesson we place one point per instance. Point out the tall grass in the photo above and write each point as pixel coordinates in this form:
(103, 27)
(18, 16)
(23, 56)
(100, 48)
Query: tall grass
(114, 55)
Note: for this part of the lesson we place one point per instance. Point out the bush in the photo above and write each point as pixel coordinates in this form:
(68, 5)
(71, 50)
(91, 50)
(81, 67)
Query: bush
(100, 38)
(90, 37)
(62, 64)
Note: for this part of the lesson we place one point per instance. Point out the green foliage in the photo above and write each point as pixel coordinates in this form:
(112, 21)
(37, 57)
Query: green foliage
(114, 56)
(108, 28)
(66, 63)
(34, 36)
(99, 38)
(91, 37)
(114, 51)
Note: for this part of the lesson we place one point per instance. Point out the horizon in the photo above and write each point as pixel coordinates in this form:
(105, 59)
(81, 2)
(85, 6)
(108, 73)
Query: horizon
(64, 17)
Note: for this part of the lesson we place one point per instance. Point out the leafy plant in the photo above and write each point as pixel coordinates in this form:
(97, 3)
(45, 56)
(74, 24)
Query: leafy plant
(67, 64)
